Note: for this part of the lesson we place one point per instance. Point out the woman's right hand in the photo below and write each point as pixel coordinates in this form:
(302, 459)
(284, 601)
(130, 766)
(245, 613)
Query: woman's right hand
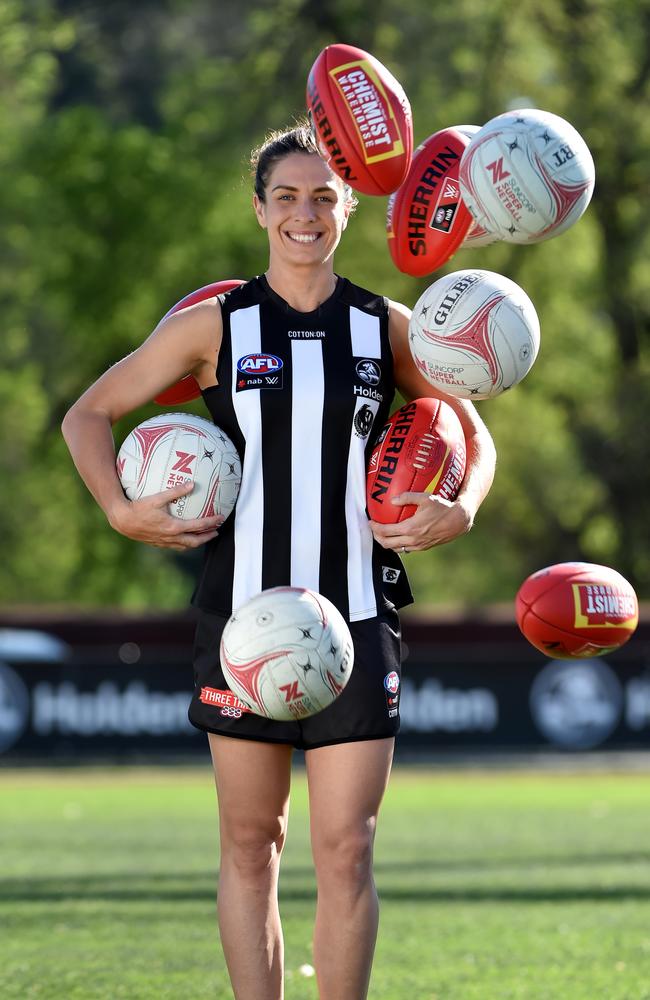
(148, 520)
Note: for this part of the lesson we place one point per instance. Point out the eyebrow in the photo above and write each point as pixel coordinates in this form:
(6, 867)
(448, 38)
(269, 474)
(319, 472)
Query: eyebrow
(289, 187)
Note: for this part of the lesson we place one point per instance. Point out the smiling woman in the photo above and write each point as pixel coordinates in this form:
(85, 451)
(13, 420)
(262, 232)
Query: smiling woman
(299, 367)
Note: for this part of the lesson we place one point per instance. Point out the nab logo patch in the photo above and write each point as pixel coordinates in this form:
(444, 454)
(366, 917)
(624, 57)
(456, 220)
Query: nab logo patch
(259, 371)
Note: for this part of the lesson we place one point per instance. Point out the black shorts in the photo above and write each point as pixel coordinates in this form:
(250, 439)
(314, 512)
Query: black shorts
(367, 708)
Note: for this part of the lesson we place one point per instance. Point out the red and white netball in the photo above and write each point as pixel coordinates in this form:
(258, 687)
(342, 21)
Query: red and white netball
(188, 388)
(575, 609)
(477, 235)
(176, 448)
(474, 334)
(287, 653)
(361, 118)
(526, 176)
(426, 220)
(421, 450)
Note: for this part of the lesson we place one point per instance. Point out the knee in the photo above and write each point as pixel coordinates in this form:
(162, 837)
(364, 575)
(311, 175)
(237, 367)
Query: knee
(343, 858)
(252, 848)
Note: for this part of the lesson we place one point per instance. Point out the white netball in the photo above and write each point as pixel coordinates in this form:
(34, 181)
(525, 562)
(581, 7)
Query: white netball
(174, 448)
(474, 334)
(526, 176)
(287, 653)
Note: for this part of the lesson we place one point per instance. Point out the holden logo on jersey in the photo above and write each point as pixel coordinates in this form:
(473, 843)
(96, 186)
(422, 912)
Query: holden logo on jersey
(368, 371)
(363, 419)
(259, 371)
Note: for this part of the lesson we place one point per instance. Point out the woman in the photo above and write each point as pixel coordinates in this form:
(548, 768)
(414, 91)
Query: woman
(300, 519)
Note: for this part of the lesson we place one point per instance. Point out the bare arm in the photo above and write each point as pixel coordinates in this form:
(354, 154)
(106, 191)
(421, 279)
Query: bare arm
(187, 341)
(436, 520)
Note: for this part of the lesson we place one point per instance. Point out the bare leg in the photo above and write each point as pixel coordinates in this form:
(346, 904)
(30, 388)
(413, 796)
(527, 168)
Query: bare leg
(346, 786)
(252, 782)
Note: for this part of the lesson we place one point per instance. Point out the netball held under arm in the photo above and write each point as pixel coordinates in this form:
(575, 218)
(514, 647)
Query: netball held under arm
(186, 342)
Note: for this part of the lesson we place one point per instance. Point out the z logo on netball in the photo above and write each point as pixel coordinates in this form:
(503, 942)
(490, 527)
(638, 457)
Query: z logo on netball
(259, 371)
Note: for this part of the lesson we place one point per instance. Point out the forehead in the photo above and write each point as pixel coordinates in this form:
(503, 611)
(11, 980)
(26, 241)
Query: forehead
(303, 170)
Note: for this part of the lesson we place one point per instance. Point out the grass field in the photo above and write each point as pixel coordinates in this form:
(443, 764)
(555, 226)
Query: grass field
(493, 885)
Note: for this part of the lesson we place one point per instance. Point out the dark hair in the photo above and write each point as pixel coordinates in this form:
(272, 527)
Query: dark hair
(281, 143)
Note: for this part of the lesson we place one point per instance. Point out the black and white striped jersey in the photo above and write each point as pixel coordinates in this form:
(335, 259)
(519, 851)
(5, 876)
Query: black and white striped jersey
(302, 396)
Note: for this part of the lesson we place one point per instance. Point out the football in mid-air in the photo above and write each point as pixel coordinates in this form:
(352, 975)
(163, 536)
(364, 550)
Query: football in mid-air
(526, 176)
(287, 653)
(426, 220)
(474, 334)
(175, 448)
(421, 449)
(361, 118)
(188, 388)
(575, 609)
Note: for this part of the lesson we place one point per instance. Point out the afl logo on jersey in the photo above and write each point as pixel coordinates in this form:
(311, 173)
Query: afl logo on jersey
(368, 371)
(259, 371)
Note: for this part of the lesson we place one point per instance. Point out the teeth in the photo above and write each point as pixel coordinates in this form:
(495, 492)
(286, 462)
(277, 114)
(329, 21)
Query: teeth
(303, 237)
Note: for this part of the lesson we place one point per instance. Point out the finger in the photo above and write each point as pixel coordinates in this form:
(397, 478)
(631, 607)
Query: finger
(403, 498)
(174, 493)
(195, 539)
(200, 524)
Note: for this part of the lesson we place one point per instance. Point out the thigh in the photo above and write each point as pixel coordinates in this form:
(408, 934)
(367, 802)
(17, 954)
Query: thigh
(347, 782)
(253, 783)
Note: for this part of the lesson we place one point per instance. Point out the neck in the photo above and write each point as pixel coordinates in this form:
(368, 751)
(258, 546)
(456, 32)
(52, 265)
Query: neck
(304, 292)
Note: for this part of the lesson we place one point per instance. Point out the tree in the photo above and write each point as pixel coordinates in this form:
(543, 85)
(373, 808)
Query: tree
(124, 141)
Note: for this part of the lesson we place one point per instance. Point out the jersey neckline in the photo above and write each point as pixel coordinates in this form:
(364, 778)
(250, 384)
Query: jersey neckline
(318, 313)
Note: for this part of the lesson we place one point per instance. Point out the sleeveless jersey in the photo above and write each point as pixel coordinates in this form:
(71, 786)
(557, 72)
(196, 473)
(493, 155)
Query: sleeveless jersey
(303, 396)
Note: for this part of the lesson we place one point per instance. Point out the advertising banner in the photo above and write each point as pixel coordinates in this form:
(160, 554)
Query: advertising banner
(467, 686)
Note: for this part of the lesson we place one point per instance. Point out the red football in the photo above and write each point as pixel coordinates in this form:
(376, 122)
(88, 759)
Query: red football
(427, 221)
(188, 387)
(362, 119)
(421, 448)
(575, 609)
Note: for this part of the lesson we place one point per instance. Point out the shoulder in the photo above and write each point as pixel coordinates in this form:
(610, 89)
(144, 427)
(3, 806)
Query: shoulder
(399, 317)
(362, 298)
(248, 294)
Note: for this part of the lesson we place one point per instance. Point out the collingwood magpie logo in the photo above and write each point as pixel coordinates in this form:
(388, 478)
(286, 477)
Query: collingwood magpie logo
(368, 371)
(363, 419)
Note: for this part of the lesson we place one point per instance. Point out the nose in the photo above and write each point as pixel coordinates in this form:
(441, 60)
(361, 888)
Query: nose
(304, 208)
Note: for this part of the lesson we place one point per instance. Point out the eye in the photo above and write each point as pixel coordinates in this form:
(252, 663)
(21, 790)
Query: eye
(285, 197)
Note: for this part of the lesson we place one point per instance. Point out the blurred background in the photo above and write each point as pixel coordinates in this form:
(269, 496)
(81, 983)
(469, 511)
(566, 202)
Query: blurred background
(125, 135)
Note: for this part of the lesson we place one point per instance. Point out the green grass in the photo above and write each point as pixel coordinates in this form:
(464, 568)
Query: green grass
(493, 886)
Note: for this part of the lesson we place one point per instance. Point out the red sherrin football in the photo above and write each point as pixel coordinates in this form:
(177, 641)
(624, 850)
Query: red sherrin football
(427, 221)
(362, 119)
(575, 609)
(188, 388)
(422, 447)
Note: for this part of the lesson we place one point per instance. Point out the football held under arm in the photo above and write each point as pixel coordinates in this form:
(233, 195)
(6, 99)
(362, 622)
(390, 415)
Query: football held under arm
(437, 520)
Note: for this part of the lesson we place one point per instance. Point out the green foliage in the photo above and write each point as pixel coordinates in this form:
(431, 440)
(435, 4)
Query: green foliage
(124, 138)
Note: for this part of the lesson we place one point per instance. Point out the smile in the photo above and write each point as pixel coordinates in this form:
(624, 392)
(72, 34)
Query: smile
(303, 237)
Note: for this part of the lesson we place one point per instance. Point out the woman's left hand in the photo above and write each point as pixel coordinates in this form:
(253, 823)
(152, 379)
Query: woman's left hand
(435, 522)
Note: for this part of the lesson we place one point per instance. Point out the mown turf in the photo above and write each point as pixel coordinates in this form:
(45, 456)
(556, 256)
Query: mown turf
(494, 886)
